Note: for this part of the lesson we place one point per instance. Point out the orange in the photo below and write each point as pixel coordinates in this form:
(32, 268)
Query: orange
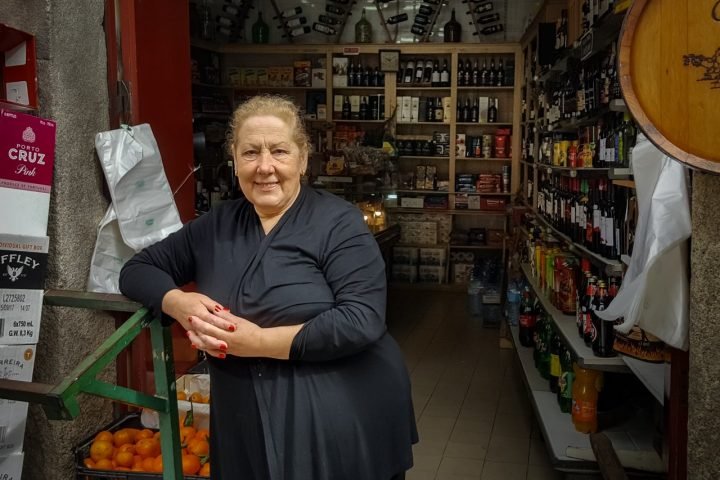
(156, 436)
(124, 459)
(190, 464)
(89, 463)
(147, 464)
(101, 450)
(104, 435)
(186, 433)
(133, 433)
(122, 437)
(137, 468)
(137, 460)
(144, 433)
(181, 395)
(104, 464)
(128, 447)
(202, 433)
(157, 466)
(122, 469)
(197, 397)
(199, 447)
(205, 470)
(147, 447)
(206, 398)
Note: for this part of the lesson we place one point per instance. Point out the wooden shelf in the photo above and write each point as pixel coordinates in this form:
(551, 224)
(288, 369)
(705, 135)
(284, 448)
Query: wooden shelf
(476, 247)
(421, 157)
(484, 124)
(567, 328)
(377, 89)
(485, 89)
(359, 121)
(652, 375)
(439, 124)
(480, 159)
(624, 183)
(446, 211)
(634, 437)
(408, 87)
(609, 264)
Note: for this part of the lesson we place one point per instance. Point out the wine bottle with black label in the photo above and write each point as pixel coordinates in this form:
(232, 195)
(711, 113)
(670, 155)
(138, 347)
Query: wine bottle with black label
(335, 10)
(397, 18)
(328, 20)
(326, 29)
(492, 29)
(291, 12)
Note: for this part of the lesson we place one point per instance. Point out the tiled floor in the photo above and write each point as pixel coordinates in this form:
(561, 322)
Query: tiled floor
(474, 417)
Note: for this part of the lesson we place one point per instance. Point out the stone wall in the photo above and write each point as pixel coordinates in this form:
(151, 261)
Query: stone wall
(73, 91)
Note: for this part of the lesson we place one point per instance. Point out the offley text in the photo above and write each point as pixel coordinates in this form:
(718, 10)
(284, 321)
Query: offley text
(15, 258)
(24, 153)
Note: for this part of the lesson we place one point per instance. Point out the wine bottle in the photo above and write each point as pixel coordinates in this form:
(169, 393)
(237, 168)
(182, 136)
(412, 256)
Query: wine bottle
(322, 28)
(291, 12)
(351, 75)
(425, 10)
(435, 79)
(295, 22)
(489, 18)
(468, 73)
(445, 75)
(483, 7)
(328, 20)
(358, 75)
(397, 19)
(452, 30)
(419, 72)
(492, 29)
(492, 111)
(334, 10)
(417, 30)
(260, 30)
(484, 75)
(500, 75)
(363, 30)
(297, 31)
(409, 72)
(364, 109)
(346, 108)
(439, 110)
(427, 74)
(474, 112)
(476, 78)
(491, 73)
(422, 20)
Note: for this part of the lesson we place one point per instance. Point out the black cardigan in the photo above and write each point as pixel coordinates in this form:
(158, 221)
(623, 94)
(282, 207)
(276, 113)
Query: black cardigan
(340, 408)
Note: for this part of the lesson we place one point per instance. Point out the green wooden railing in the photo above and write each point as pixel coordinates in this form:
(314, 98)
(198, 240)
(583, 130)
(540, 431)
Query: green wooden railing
(60, 401)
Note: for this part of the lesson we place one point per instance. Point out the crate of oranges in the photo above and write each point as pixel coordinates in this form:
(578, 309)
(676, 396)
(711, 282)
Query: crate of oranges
(193, 394)
(125, 450)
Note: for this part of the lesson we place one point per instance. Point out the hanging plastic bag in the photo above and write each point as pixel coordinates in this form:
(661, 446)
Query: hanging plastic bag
(138, 186)
(143, 210)
(655, 291)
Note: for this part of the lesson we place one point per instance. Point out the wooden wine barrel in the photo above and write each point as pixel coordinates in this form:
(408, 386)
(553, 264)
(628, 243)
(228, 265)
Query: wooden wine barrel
(669, 66)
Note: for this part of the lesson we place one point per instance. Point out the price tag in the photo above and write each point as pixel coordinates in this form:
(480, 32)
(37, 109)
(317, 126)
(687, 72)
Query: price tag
(573, 173)
(549, 170)
(351, 51)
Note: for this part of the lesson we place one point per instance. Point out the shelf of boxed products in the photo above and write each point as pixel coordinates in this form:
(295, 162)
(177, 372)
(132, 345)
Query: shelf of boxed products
(430, 89)
(447, 211)
(635, 436)
(611, 266)
(339, 120)
(484, 124)
(482, 159)
(485, 89)
(420, 157)
(567, 328)
(444, 124)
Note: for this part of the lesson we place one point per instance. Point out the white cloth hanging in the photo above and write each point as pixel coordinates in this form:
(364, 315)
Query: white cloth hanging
(655, 291)
(143, 209)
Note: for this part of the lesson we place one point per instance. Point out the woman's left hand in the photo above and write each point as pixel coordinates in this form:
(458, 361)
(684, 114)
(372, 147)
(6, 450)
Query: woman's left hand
(245, 341)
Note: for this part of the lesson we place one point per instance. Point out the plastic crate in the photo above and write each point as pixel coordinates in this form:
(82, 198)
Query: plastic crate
(82, 451)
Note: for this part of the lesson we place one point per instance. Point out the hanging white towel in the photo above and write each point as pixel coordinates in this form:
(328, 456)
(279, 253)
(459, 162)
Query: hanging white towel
(143, 210)
(655, 291)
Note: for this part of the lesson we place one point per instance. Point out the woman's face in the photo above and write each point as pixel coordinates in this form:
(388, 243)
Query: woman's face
(269, 163)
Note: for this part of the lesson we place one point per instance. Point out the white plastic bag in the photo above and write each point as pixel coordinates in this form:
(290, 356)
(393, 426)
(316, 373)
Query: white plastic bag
(143, 209)
(655, 291)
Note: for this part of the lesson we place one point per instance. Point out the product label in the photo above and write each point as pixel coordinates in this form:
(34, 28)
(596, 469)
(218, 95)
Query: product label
(565, 383)
(20, 312)
(526, 320)
(584, 410)
(27, 152)
(555, 368)
(22, 261)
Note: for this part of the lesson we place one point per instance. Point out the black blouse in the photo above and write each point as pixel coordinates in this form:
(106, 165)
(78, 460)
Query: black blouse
(340, 408)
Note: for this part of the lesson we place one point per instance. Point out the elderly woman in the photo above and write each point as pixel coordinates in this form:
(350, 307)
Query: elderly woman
(306, 383)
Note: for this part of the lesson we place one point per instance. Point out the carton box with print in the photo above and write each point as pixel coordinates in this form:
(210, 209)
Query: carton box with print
(16, 363)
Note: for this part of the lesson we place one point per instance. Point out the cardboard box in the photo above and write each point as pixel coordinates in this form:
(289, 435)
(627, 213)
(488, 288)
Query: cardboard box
(286, 75)
(20, 314)
(473, 202)
(414, 109)
(431, 274)
(432, 256)
(498, 204)
(302, 73)
(11, 466)
(355, 107)
(337, 105)
(27, 154)
(16, 363)
(461, 272)
(23, 261)
(318, 78)
(250, 77)
(405, 255)
(322, 111)
(447, 109)
(460, 147)
(340, 66)
(261, 76)
(409, 202)
(484, 105)
(404, 273)
(406, 110)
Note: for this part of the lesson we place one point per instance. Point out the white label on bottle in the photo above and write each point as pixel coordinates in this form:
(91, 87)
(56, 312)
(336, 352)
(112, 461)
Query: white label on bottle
(610, 155)
(573, 214)
(601, 154)
(603, 230)
(611, 230)
(596, 218)
(445, 76)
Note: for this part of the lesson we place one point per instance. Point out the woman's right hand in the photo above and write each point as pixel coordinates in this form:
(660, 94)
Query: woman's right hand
(189, 307)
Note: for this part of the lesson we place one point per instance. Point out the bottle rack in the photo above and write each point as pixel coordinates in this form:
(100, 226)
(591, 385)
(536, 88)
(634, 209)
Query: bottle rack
(431, 25)
(390, 37)
(283, 23)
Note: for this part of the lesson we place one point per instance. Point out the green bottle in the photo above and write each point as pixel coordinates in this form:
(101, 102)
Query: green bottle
(260, 30)
(363, 30)
(565, 383)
